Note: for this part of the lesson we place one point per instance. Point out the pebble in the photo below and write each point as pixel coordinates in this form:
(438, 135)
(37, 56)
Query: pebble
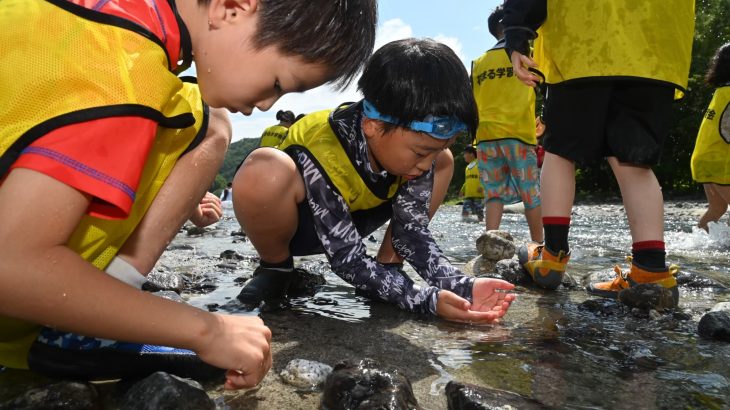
(305, 374)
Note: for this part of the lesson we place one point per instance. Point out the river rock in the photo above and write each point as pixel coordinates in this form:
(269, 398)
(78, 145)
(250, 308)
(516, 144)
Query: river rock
(696, 281)
(715, 325)
(647, 296)
(496, 245)
(63, 395)
(165, 391)
(366, 386)
(305, 374)
(479, 266)
(511, 271)
(195, 231)
(305, 283)
(163, 280)
(231, 254)
(462, 396)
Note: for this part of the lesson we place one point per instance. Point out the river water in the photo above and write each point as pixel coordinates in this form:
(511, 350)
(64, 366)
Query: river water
(550, 347)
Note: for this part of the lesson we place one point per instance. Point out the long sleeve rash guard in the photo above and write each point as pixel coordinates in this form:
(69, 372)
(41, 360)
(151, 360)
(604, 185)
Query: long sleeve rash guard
(412, 240)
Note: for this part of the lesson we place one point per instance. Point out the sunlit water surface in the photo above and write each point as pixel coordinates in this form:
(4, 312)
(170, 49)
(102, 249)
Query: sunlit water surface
(547, 347)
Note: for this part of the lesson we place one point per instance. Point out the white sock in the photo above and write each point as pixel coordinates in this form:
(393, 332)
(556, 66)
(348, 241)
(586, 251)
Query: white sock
(122, 270)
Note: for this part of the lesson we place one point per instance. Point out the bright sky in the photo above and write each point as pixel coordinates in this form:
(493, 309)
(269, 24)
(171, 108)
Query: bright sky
(461, 24)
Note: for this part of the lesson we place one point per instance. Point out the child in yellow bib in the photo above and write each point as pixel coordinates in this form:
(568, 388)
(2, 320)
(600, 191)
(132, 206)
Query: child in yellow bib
(105, 152)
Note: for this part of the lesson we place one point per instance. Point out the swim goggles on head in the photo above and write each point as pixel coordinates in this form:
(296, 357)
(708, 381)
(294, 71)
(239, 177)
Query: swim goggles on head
(442, 128)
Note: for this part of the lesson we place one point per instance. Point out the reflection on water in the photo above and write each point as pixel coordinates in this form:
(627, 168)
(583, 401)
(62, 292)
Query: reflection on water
(549, 347)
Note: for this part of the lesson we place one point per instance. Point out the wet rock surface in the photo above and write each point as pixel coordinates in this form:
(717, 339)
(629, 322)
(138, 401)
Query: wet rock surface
(496, 245)
(715, 325)
(62, 395)
(165, 391)
(367, 386)
(305, 374)
(462, 396)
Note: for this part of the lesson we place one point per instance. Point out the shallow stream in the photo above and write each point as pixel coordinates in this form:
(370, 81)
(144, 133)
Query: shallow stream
(549, 346)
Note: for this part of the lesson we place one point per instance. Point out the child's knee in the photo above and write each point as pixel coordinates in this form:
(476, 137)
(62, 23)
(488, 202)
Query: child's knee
(267, 171)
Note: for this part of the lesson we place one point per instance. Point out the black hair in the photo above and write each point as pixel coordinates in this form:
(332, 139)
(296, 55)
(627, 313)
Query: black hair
(412, 78)
(495, 22)
(470, 149)
(337, 33)
(719, 72)
(299, 117)
(286, 116)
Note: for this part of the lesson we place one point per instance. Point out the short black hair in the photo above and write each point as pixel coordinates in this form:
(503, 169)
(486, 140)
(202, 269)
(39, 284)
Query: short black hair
(337, 33)
(495, 22)
(719, 71)
(470, 149)
(412, 78)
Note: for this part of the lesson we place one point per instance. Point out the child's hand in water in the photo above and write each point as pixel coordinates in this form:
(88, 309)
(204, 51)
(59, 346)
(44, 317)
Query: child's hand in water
(490, 302)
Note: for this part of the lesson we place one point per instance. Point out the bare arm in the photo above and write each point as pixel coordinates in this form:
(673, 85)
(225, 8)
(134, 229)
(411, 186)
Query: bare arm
(43, 281)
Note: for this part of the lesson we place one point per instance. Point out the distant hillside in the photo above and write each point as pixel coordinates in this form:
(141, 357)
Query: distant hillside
(236, 153)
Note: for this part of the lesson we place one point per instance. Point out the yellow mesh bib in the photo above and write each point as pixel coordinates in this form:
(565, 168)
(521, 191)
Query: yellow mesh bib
(314, 133)
(506, 106)
(617, 38)
(711, 156)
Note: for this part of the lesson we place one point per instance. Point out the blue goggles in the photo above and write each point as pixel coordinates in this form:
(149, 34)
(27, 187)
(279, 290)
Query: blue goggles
(442, 128)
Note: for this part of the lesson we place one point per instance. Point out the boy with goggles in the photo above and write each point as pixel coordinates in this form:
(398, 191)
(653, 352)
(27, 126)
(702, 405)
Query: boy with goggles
(342, 173)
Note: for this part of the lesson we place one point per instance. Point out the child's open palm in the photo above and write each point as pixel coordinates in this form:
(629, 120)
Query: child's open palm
(490, 301)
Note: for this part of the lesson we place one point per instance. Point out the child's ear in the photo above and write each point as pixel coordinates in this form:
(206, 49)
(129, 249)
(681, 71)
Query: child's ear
(371, 128)
(220, 11)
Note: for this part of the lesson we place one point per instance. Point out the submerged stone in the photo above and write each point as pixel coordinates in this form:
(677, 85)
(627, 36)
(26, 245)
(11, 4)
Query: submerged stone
(63, 395)
(479, 266)
(462, 396)
(305, 374)
(165, 391)
(715, 325)
(511, 271)
(366, 386)
(305, 283)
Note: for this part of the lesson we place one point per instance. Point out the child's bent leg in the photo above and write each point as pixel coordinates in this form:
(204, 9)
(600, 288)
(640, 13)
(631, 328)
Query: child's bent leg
(442, 177)
(266, 191)
(178, 197)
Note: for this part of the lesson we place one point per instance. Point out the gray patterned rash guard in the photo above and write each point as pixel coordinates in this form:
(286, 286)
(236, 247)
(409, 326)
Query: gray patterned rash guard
(412, 240)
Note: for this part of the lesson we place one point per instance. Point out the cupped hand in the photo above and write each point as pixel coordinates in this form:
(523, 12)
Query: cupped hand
(208, 211)
(241, 344)
(490, 302)
(521, 65)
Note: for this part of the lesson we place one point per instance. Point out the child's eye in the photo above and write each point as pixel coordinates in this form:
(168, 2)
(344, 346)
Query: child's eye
(419, 155)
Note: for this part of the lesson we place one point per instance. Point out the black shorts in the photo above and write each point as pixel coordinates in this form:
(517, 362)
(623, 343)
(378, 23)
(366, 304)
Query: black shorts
(587, 121)
(305, 240)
